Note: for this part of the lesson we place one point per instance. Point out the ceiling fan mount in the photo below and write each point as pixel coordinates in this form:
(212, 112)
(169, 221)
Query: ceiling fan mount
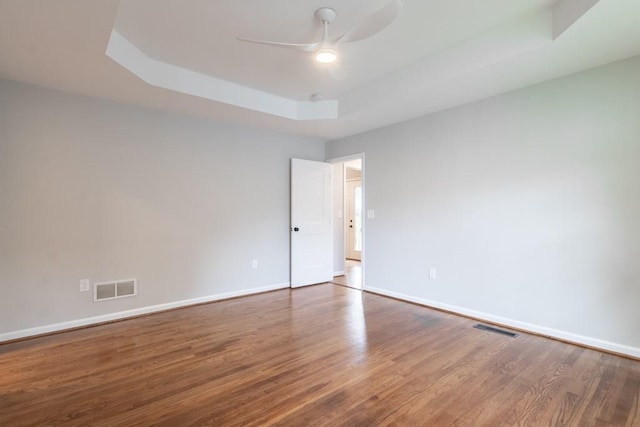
(326, 14)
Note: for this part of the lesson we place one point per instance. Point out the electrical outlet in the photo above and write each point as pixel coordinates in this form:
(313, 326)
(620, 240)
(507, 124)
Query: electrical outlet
(254, 263)
(432, 273)
(85, 285)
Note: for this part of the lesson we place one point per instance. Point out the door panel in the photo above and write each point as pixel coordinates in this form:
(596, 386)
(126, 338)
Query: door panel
(311, 232)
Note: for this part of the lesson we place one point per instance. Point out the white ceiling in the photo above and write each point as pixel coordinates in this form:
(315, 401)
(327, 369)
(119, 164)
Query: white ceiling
(436, 55)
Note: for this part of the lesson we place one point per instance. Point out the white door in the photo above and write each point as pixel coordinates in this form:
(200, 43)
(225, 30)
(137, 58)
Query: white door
(311, 231)
(354, 220)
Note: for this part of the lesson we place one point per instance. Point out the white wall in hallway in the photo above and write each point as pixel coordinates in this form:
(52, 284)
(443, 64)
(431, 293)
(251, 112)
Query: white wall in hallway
(338, 217)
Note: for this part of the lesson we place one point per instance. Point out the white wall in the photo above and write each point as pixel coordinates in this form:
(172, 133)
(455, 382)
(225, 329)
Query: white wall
(353, 174)
(99, 190)
(528, 205)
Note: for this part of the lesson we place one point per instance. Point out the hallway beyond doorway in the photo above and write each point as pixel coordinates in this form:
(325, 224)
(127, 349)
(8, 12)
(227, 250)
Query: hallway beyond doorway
(352, 276)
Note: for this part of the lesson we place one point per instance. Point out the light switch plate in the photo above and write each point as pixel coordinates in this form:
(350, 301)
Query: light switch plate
(85, 285)
(371, 214)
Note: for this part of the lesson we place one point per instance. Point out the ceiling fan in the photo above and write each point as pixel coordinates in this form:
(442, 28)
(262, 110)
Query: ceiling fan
(325, 49)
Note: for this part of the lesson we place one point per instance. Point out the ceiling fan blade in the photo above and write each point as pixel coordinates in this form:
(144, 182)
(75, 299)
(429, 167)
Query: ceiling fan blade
(306, 47)
(372, 24)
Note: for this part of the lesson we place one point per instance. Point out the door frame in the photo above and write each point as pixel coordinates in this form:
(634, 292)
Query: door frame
(343, 159)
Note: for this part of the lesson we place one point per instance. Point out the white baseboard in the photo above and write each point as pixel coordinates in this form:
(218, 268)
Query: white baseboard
(338, 273)
(536, 329)
(7, 336)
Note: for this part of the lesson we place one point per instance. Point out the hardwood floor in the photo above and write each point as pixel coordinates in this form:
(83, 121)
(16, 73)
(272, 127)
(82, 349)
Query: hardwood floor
(321, 355)
(352, 276)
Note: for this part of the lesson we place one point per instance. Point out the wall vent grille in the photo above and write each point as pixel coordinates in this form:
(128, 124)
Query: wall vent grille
(495, 330)
(115, 289)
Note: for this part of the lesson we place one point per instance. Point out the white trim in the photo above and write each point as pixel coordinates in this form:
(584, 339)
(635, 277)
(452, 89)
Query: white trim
(172, 77)
(345, 159)
(530, 327)
(39, 330)
(338, 273)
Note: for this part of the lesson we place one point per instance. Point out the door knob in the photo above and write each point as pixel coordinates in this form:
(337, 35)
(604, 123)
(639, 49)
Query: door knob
(296, 229)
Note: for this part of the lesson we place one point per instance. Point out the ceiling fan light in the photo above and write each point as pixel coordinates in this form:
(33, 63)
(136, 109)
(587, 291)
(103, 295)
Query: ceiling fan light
(326, 56)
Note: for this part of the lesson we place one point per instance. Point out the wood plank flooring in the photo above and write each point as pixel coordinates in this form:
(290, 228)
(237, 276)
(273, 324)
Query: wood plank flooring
(352, 277)
(321, 355)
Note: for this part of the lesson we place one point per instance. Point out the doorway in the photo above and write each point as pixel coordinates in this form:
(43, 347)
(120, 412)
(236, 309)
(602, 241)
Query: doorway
(348, 177)
(353, 212)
